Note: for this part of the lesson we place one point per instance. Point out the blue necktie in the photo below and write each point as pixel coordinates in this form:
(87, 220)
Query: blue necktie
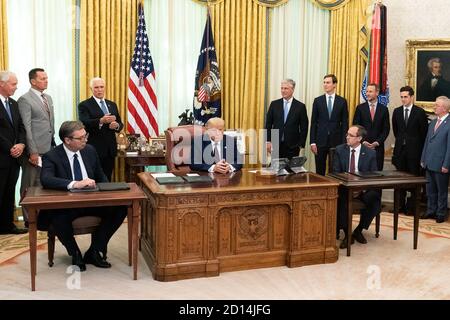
(286, 110)
(8, 110)
(77, 175)
(103, 106)
(330, 106)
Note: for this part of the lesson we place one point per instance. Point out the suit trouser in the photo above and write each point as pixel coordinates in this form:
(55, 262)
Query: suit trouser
(411, 165)
(112, 218)
(287, 151)
(107, 166)
(8, 180)
(372, 201)
(321, 159)
(437, 191)
(380, 158)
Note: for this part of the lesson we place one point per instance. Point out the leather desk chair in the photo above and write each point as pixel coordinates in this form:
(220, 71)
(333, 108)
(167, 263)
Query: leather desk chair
(357, 204)
(177, 160)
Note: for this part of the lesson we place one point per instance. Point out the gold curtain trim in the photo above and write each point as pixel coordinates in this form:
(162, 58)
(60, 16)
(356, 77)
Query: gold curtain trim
(265, 3)
(206, 2)
(330, 4)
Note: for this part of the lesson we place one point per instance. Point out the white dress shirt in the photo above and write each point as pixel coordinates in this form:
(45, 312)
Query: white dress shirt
(70, 156)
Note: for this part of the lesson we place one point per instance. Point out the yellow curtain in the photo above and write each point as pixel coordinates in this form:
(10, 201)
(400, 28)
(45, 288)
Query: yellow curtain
(107, 32)
(347, 41)
(239, 29)
(3, 36)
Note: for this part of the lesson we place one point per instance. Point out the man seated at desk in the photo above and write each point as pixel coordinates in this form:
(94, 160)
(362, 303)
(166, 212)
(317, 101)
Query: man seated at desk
(353, 157)
(75, 165)
(214, 151)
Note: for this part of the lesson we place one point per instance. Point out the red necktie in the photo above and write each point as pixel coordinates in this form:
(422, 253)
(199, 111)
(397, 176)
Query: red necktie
(372, 111)
(352, 162)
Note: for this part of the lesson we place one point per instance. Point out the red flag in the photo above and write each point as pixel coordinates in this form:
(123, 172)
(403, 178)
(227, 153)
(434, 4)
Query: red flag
(142, 103)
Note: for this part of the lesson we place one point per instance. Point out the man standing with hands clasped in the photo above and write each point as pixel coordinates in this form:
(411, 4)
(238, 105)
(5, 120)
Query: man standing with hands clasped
(102, 120)
(436, 161)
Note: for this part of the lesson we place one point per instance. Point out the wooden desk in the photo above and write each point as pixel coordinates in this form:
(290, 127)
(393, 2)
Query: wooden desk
(37, 199)
(396, 180)
(240, 221)
(135, 164)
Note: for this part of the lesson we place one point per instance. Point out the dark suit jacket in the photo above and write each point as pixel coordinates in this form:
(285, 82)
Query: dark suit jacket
(295, 129)
(367, 159)
(427, 93)
(326, 131)
(378, 129)
(411, 136)
(10, 134)
(202, 157)
(103, 139)
(56, 172)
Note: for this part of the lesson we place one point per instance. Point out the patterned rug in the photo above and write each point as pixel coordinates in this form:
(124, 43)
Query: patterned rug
(427, 227)
(12, 245)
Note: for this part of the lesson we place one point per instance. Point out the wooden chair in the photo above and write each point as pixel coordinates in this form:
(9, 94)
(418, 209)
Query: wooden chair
(357, 204)
(178, 141)
(85, 225)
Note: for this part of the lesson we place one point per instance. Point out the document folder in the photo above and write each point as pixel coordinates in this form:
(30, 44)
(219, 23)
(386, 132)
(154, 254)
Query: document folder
(170, 180)
(193, 179)
(113, 186)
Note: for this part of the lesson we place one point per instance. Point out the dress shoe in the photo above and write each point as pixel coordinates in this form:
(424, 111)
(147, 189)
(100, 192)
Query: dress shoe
(343, 244)
(93, 257)
(428, 216)
(440, 219)
(14, 230)
(358, 236)
(77, 260)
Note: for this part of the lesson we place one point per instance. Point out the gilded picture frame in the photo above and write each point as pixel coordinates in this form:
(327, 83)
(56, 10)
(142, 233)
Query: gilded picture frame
(428, 70)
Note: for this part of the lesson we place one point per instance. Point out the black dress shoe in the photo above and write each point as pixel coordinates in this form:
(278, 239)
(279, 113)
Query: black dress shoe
(343, 244)
(441, 219)
(428, 216)
(93, 257)
(358, 236)
(77, 260)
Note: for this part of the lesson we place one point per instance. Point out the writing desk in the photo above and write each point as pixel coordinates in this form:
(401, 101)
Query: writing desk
(37, 198)
(396, 180)
(238, 221)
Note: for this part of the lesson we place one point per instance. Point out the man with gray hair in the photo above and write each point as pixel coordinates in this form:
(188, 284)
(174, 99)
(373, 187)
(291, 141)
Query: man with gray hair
(102, 120)
(436, 161)
(12, 144)
(75, 165)
(286, 117)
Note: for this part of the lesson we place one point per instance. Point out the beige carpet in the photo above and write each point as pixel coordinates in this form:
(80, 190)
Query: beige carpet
(381, 269)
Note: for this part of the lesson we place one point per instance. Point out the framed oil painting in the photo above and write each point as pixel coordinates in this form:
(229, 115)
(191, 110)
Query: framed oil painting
(428, 70)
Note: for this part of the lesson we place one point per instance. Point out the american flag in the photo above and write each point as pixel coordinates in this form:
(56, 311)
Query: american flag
(142, 104)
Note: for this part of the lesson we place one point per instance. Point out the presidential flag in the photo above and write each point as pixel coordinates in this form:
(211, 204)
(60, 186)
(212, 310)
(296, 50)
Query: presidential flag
(142, 103)
(376, 69)
(207, 101)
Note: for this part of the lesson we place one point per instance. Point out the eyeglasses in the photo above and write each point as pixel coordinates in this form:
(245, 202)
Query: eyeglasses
(82, 138)
(351, 135)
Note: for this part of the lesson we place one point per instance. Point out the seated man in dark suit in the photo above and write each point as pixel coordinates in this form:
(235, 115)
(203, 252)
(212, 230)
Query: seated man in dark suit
(75, 165)
(213, 151)
(352, 157)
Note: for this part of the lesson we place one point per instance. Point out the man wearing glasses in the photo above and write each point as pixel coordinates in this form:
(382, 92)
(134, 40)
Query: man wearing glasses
(75, 165)
(354, 157)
